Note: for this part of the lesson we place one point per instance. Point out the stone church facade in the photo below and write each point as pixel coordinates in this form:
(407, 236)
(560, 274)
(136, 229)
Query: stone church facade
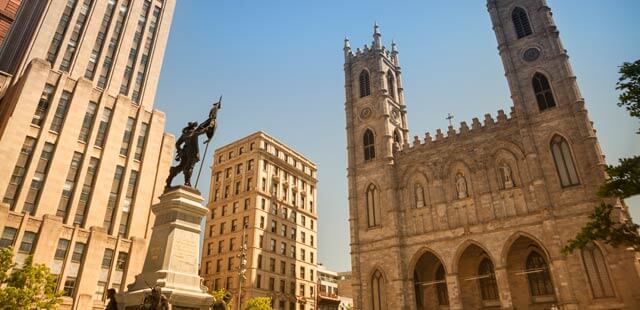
(476, 217)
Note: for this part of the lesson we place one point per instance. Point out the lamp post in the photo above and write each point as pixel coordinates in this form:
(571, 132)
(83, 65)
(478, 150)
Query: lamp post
(242, 269)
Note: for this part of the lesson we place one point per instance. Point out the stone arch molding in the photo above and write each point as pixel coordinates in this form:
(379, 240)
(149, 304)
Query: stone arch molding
(413, 262)
(512, 239)
(462, 247)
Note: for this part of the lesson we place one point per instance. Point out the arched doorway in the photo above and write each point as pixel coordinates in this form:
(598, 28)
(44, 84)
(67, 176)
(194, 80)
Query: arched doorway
(478, 286)
(529, 275)
(429, 278)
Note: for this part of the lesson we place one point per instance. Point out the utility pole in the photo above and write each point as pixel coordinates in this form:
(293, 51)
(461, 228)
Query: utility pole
(242, 269)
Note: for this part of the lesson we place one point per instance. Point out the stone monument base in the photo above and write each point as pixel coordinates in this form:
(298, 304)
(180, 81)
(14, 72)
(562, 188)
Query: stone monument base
(172, 257)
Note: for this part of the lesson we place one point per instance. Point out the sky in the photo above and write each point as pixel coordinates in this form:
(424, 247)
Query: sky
(279, 65)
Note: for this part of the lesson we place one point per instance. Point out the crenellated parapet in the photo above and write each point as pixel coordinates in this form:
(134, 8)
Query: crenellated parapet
(441, 138)
(377, 48)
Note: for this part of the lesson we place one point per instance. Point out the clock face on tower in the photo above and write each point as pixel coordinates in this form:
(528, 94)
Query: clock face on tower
(531, 54)
(365, 113)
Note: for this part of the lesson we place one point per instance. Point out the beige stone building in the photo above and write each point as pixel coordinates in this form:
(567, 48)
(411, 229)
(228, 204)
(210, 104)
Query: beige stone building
(269, 189)
(84, 155)
(475, 217)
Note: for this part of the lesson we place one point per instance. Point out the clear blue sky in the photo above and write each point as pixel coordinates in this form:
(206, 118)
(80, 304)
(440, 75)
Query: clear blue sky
(279, 65)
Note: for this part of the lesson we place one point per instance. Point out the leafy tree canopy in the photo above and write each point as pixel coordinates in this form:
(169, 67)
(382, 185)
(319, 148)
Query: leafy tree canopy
(259, 303)
(32, 287)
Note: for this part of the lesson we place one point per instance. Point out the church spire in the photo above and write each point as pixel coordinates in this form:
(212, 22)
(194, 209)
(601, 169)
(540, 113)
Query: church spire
(377, 43)
(346, 48)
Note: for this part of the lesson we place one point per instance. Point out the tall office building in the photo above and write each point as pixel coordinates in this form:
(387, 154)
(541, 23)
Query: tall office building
(84, 155)
(265, 189)
(8, 11)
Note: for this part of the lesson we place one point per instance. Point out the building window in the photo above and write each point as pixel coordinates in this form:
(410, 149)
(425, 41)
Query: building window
(8, 237)
(43, 105)
(369, 147)
(135, 47)
(69, 287)
(142, 139)
(61, 112)
(230, 263)
(378, 300)
(373, 212)
(99, 295)
(97, 46)
(391, 84)
(487, 279)
(538, 275)
(113, 44)
(78, 29)
(144, 59)
(128, 204)
(564, 162)
(258, 281)
(542, 90)
(38, 179)
(126, 138)
(121, 263)
(61, 250)
(26, 246)
(17, 177)
(365, 89)
(78, 252)
(107, 258)
(105, 119)
(113, 199)
(87, 122)
(441, 286)
(63, 24)
(521, 22)
(85, 194)
(597, 272)
(69, 186)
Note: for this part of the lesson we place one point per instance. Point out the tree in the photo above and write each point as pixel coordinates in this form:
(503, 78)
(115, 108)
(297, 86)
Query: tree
(606, 223)
(220, 294)
(259, 303)
(32, 287)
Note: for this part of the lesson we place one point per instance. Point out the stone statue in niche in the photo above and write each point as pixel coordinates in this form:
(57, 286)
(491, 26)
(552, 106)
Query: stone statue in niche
(461, 186)
(505, 176)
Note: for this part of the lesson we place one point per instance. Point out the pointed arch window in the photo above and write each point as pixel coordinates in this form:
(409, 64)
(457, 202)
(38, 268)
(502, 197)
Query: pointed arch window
(373, 212)
(365, 87)
(419, 195)
(597, 272)
(378, 301)
(521, 22)
(369, 145)
(538, 275)
(564, 162)
(441, 286)
(487, 279)
(543, 92)
(391, 84)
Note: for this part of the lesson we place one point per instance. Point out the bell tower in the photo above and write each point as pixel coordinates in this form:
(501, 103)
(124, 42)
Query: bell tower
(376, 113)
(535, 62)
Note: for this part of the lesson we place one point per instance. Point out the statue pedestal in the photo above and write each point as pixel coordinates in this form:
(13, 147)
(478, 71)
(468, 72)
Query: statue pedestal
(172, 257)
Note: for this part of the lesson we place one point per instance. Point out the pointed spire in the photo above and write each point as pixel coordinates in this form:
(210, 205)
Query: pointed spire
(346, 43)
(394, 48)
(346, 48)
(377, 43)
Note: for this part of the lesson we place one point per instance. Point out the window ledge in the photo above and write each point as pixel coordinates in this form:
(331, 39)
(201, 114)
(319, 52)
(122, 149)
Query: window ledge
(543, 299)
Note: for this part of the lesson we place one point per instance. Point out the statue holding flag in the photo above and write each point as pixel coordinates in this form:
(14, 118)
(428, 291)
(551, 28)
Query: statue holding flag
(188, 151)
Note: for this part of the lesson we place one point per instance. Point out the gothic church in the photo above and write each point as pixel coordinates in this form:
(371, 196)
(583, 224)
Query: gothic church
(475, 217)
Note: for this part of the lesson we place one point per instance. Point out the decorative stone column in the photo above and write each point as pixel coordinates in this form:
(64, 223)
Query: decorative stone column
(172, 257)
(561, 281)
(453, 289)
(504, 291)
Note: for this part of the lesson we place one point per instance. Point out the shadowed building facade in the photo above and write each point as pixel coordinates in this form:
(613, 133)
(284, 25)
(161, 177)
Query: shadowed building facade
(475, 217)
(262, 184)
(84, 154)
(8, 11)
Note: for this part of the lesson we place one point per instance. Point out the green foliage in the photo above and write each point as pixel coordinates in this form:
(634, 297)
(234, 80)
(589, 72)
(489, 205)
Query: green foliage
(219, 295)
(603, 227)
(624, 180)
(629, 85)
(259, 303)
(32, 287)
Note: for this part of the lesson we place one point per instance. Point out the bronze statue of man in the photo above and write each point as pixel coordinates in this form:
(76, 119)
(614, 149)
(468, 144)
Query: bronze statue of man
(188, 151)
